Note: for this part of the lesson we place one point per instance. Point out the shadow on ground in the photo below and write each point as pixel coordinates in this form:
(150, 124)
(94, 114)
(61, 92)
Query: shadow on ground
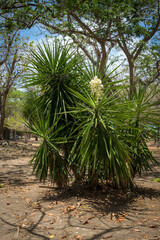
(74, 212)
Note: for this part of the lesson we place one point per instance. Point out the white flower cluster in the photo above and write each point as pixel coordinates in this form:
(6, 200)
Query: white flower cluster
(96, 87)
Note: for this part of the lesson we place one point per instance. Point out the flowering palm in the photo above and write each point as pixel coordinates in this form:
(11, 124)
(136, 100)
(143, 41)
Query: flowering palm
(86, 124)
(98, 148)
(96, 88)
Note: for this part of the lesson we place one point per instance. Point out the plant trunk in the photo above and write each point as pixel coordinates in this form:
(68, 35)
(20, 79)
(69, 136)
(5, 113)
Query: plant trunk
(131, 72)
(14, 134)
(104, 56)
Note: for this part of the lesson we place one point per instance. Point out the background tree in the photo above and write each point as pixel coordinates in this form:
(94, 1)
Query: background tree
(98, 24)
(11, 71)
(7, 37)
(61, 18)
(14, 109)
(148, 65)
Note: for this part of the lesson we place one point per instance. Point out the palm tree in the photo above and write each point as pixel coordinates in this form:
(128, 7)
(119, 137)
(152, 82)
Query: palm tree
(86, 126)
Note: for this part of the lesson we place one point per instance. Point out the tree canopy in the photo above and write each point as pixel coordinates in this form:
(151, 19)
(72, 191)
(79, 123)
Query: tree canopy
(97, 25)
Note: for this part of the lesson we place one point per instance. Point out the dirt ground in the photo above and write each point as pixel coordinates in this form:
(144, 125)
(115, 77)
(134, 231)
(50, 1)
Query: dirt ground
(31, 210)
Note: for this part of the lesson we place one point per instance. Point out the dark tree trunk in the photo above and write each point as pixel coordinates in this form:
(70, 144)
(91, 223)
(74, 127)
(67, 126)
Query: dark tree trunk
(104, 56)
(131, 72)
(2, 122)
(1, 128)
(6, 133)
(14, 134)
(2, 112)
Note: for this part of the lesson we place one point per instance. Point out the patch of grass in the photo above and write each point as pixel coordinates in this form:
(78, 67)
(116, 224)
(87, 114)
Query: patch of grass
(156, 180)
(2, 186)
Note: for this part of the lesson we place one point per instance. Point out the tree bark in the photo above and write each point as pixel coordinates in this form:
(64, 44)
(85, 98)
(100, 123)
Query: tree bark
(2, 113)
(104, 56)
(1, 128)
(131, 72)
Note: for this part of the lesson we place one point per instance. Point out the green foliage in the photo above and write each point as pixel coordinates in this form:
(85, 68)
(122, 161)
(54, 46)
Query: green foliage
(53, 67)
(156, 180)
(48, 157)
(147, 69)
(98, 148)
(15, 101)
(144, 115)
(29, 110)
(14, 109)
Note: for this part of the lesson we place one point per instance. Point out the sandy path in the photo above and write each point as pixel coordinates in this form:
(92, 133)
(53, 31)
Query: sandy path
(31, 210)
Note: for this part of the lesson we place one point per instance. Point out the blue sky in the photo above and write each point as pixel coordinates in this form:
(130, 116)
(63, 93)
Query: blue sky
(34, 34)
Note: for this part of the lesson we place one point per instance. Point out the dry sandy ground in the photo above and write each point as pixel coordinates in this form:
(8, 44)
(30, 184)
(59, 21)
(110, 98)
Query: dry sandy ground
(31, 210)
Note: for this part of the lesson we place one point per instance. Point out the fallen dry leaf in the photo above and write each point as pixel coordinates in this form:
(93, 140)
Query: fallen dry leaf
(32, 214)
(120, 219)
(146, 237)
(85, 222)
(26, 223)
(137, 230)
(50, 214)
(68, 209)
(48, 227)
(78, 237)
(79, 204)
(49, 206)
(45, 220)
(153, 226)
(63, 237)
(36, 205)
(51, 222)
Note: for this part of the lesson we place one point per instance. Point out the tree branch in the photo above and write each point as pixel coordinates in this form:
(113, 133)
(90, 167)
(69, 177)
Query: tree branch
(10, 42)
(121, 42)
(84, 26)
(84, 50)
(146, 39)
(13, 6)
